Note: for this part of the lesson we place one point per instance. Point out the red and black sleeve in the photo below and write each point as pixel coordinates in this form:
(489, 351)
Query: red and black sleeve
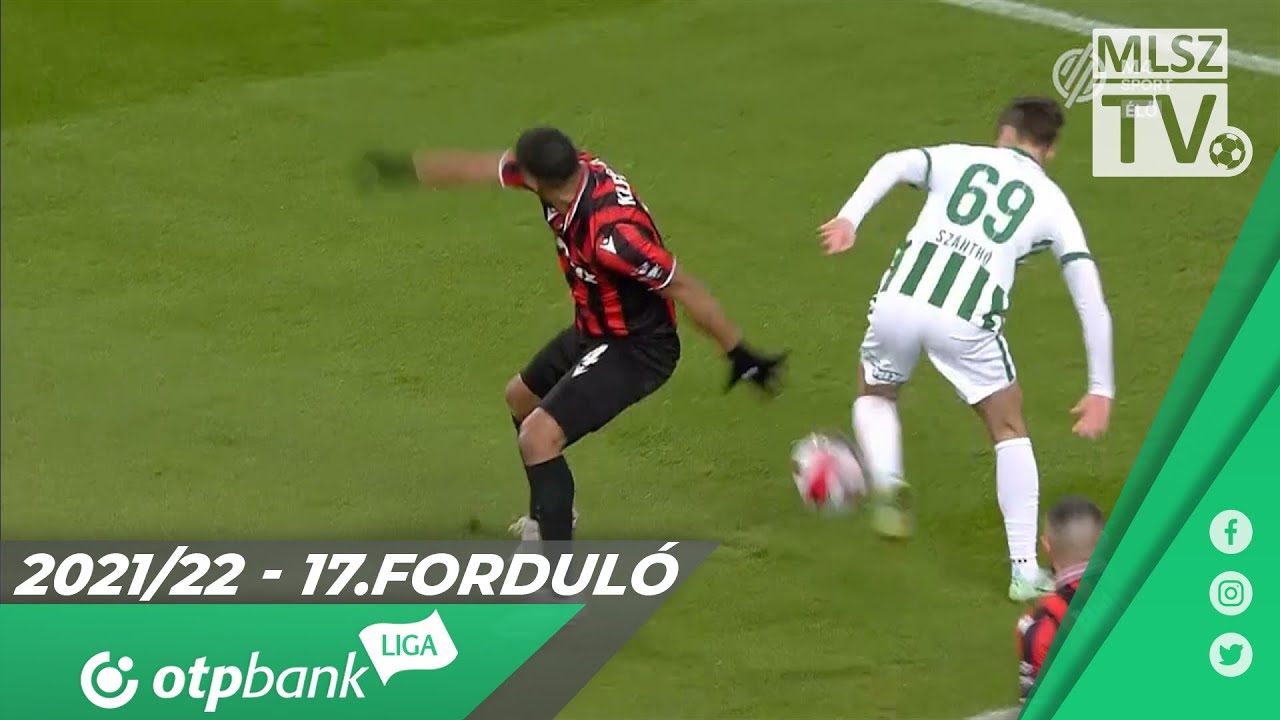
(509, 174)
(1035, 637)
(632, 250)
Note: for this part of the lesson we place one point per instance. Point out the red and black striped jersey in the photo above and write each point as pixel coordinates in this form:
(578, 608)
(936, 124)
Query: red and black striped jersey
(610, 252)
(1036, 629)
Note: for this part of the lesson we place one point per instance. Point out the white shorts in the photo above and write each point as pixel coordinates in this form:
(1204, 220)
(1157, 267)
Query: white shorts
(975, 361)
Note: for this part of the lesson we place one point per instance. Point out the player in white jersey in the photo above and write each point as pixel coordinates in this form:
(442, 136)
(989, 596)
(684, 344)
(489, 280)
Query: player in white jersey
(945, 296)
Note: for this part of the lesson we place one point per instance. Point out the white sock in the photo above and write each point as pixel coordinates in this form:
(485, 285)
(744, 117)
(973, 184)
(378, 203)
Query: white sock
(1018, 488)
(879, 433)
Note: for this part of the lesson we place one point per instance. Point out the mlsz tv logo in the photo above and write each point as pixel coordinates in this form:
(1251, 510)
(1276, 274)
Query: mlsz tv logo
(392, 648)
(1160, 101)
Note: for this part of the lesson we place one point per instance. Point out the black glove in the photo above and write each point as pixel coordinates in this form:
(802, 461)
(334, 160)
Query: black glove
(763, 371)
(387, 168)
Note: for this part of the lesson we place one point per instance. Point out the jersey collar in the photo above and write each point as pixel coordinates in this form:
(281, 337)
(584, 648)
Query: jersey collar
(582, 188)
(1023, 153)
(1070, 574)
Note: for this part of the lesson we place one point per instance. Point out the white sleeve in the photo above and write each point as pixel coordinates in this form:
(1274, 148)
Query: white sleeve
(909, 166)
(1068, 237)
(1085, 287)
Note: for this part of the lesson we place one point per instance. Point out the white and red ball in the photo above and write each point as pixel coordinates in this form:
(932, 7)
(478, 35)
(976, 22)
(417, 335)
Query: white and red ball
(827, 473)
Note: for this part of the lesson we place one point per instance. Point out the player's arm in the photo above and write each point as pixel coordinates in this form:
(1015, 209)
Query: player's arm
(892, 169)
(705, 312)
(629, 250)
(445, 168)
(1080, 272)
(1035, 637)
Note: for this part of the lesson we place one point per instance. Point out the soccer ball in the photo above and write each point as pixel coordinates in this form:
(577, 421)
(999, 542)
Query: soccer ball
(1227, 151)
(827, 473)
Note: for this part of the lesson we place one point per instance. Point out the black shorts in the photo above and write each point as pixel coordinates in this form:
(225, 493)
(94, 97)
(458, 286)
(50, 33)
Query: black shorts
(585, 382)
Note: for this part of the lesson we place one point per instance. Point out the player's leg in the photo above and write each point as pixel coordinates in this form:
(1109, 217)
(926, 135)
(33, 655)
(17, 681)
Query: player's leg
(608, 378)
(525, 391)
(978, 364)
(878, 430)
(521, 400)
(530, 385)
(879, 434)
(1017, 489)
(889, 353)
(542, 443)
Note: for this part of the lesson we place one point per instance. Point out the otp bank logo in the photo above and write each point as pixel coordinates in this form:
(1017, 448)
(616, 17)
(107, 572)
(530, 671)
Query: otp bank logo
(103, 683)
(391, 647)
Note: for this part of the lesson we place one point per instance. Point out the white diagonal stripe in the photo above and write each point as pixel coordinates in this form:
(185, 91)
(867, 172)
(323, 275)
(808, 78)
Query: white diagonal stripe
(1085, 26)
(1010, 713)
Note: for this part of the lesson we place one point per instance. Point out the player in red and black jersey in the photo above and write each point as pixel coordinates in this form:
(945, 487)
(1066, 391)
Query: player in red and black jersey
(610, 252)
(1072, 530)
(624, 282)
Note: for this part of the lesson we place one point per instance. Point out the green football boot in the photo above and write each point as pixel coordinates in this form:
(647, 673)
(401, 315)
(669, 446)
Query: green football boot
(891, 512)
(1023, 590)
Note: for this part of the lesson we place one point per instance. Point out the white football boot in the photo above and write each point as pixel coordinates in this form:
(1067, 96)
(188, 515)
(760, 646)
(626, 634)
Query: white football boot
(526, 528)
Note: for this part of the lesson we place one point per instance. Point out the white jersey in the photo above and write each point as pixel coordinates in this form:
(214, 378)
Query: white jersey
(987, 210)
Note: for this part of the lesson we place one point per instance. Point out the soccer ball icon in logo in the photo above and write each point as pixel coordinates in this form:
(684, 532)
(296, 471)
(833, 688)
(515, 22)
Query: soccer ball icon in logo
(1228, 151)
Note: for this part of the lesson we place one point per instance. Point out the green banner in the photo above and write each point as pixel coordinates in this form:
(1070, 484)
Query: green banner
(265, 661)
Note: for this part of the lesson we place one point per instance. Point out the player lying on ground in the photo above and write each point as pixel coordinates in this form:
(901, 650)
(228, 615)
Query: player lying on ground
(624, 283)
(945, 295)
(1072, 530)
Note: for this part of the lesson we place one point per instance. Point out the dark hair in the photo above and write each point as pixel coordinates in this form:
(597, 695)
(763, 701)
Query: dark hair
(1037, 119)
(1069, 510)
(547, 154)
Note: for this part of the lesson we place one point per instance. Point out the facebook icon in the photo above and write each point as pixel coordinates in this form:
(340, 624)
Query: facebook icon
(1231, 531)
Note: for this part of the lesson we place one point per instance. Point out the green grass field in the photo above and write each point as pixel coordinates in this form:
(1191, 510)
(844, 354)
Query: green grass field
(208, 334)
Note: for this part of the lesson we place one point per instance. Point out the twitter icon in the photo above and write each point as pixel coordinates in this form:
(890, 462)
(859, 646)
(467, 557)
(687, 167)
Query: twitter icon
(1230, 655)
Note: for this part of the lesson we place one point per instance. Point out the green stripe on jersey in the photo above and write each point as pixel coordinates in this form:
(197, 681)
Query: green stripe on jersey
(970, 302)
(1004, 357)
(917, 270)
(1072, 257)
(997, 309)
(948, 278)
(1037, 246)
(893, 266)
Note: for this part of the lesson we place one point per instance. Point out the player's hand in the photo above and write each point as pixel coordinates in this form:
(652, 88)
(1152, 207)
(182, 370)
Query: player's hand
(1093, 414)
(386, 168)
(838, 235)
(763, 371)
